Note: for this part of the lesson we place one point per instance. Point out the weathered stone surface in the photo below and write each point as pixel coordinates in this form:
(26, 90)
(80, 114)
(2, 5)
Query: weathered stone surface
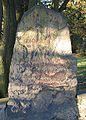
(3, 111)
(42, 80)
(81, 102)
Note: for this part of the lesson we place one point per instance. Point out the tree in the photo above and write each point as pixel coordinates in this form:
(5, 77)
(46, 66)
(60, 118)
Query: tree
(6, 34)
(59, 5)
(9, 32)
(11, 39)
(63, 6)
(2, 80)
(1, 10)
(75, 12)
(19, 5)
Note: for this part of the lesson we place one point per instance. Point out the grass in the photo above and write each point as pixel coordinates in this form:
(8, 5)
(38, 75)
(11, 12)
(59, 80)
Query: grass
(81, 67)
(81, 72)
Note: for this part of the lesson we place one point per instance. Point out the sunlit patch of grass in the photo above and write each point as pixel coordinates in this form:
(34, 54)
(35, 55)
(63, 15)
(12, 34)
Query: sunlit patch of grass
(81, 66)
(81, 72)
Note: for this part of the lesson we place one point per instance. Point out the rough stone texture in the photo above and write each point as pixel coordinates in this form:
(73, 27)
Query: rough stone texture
(43, 70)
(3, 115)
(81, 100)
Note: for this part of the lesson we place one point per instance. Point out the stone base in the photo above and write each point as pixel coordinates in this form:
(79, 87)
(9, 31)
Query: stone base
(52, 97)
(47, 104)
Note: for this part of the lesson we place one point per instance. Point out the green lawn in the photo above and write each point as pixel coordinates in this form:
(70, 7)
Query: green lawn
(81, 72)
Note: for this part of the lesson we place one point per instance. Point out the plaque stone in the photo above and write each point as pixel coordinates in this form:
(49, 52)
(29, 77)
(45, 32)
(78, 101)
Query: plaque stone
(42, 80)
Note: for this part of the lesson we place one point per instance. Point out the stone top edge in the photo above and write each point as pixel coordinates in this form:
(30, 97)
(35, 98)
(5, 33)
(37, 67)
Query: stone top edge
(42, 7)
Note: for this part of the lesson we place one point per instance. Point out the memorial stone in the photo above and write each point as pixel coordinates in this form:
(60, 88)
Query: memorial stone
(42, 80)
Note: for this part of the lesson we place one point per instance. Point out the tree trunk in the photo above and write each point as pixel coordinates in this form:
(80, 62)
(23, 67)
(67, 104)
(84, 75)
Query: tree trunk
(2, 78)
(9, 36)
(19, 10)
(63, 6)
(9, 33)
(1, 9)
(6, 15)
(55, 4)
(11, 40)
(6, 36)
